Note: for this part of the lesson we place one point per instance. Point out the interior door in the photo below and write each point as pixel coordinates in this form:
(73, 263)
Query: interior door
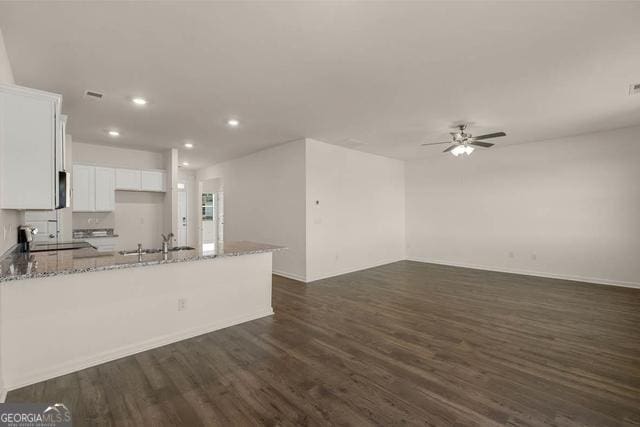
(182, 218)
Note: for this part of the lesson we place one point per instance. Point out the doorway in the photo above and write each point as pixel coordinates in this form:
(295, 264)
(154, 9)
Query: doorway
(211, 214)
(183, 218)
(208, 221)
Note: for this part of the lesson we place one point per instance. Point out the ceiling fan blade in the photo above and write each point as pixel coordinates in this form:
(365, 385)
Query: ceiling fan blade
(481, 144)
(489, 135)
(450, 148)
(437, 143)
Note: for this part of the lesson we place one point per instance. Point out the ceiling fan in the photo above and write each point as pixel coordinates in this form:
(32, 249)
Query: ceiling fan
(464, 143)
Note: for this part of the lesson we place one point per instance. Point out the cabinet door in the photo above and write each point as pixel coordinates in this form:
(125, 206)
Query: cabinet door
(105, 189)
(83, 188)
(152, 181)
(27, 144)
(128, 179)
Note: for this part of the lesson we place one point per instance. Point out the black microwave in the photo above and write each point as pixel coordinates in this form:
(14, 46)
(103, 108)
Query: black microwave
(63, 195)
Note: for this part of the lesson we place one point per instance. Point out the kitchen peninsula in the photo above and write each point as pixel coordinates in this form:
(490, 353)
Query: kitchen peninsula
(82, 307)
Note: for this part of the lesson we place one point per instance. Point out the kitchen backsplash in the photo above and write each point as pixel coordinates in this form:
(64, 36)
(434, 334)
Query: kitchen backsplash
(91, 220)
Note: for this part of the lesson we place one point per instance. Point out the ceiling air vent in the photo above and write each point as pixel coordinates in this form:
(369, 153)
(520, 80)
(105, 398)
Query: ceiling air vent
(93, 94)
(634, 89)
(352, 142)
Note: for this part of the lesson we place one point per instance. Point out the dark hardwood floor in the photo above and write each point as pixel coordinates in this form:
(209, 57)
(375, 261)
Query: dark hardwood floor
(405, 343)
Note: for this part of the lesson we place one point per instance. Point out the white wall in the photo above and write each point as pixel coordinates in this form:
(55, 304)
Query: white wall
(359, 220)
(264, 201)
(9, 219)
(573, 204)
(116, 157)
(139, 217)
(104, 315)
(6, 74)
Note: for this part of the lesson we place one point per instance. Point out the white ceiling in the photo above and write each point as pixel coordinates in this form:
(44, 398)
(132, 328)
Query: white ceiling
(390, 75)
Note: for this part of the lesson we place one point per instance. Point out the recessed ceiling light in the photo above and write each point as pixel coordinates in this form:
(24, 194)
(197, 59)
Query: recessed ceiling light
(114, 133)
(233, 123)
(139, 101)
(185, 163)
(188, 145)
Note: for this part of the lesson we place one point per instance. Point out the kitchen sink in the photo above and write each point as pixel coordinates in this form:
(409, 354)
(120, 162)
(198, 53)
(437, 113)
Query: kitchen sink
(143, 252)
(156, 251)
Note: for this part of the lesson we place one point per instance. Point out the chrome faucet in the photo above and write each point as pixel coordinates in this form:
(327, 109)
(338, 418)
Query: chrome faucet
(166, 240)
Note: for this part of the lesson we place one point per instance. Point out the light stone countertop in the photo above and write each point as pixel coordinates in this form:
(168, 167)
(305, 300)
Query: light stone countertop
(18, 266)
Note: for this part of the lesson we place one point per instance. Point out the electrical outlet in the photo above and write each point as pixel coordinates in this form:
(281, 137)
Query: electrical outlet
(511, 254)
(182, 304)
(534, 256)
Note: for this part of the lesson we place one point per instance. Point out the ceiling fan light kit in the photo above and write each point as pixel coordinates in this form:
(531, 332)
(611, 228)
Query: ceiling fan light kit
(465, 143)
(462, 149)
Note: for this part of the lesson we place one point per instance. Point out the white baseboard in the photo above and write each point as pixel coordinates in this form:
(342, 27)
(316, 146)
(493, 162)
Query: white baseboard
(291, 276)
(353, 270)
(595, 280)
(128, 350)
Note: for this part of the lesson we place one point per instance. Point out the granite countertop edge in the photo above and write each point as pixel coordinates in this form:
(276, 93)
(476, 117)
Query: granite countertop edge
(19, 277)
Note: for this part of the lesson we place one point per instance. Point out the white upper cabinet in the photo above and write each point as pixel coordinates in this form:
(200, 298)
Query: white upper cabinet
(152, 180)
(140, 180)
(105, 189)
(28, 138)
(93, 189)
(128, 179)
(84, 182)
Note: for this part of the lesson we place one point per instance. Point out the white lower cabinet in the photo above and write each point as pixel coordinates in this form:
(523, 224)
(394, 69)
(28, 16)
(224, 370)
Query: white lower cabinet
(93, 189)
(102, 244)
